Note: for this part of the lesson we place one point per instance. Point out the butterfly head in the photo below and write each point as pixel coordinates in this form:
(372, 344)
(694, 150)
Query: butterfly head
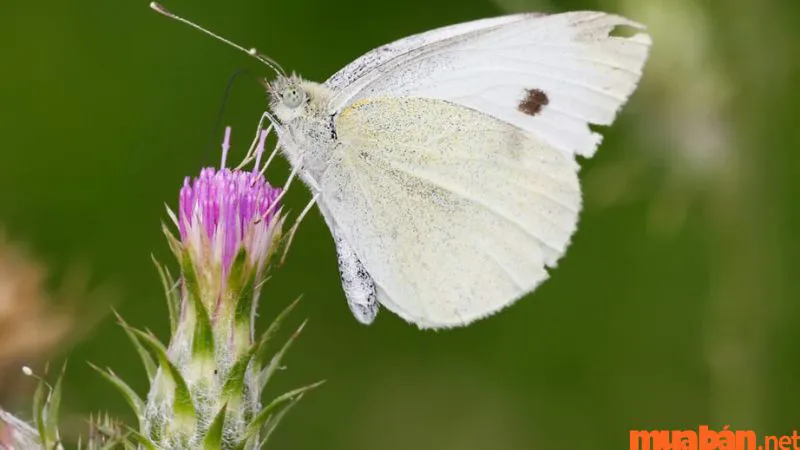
(287, 97)
(291, 97)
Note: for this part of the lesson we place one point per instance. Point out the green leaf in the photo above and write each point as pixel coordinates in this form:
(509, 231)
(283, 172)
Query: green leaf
(190, 276)
(273, 422)
(274, 364)
(147, 360)
(238, 277)
(172, 294)
(183, 406)
(261, 354)
(213, 439)
(243, 313)
(53, 407)
(39, 406)
(234, 384)
(141, 440)
(261, 418)
(135, 402)
(203, 338)
(174, 244)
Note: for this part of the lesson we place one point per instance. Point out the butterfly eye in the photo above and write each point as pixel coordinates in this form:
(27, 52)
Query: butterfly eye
(293, 97)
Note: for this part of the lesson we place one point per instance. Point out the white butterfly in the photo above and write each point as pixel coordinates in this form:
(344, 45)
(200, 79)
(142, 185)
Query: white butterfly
(444, 163)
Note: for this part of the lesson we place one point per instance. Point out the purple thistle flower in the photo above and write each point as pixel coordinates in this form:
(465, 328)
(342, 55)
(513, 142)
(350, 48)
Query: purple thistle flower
(223, 211)
(228, 209)
(229, 223)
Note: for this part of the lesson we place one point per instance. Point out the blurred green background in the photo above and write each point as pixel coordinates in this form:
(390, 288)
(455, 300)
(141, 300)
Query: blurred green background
(676, 305)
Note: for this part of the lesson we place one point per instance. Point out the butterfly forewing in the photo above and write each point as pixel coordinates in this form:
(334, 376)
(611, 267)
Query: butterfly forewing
(551, 75)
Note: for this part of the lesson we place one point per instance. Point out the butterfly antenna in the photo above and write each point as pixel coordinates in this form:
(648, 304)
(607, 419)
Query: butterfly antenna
(220, 115)
(269, 62)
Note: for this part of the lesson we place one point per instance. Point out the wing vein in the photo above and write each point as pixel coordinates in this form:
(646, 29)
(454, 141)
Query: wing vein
(564, 80)
(395, 162)
(503, 268)
(609, 64)
(478, 201)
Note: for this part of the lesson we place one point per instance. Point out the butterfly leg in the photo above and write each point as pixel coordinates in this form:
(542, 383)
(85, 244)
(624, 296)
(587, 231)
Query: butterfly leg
(357, 284)
(284, 190)
(299, 219)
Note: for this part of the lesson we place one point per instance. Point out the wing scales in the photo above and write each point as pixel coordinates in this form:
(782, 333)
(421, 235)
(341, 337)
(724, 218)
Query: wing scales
(585, 73)
(456, 184)
(375, 58)
(448, 231)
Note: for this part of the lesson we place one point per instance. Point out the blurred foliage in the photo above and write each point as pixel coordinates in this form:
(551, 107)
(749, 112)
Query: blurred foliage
(675, 306)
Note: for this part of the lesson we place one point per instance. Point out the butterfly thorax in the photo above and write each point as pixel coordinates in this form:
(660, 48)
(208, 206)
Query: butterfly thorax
(307, 136)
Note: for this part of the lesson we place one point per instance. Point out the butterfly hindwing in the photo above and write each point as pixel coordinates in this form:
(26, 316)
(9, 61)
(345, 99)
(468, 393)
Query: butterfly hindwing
(454, 213)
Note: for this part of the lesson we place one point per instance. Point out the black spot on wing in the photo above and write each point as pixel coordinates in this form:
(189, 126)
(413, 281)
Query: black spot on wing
(533, 102)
